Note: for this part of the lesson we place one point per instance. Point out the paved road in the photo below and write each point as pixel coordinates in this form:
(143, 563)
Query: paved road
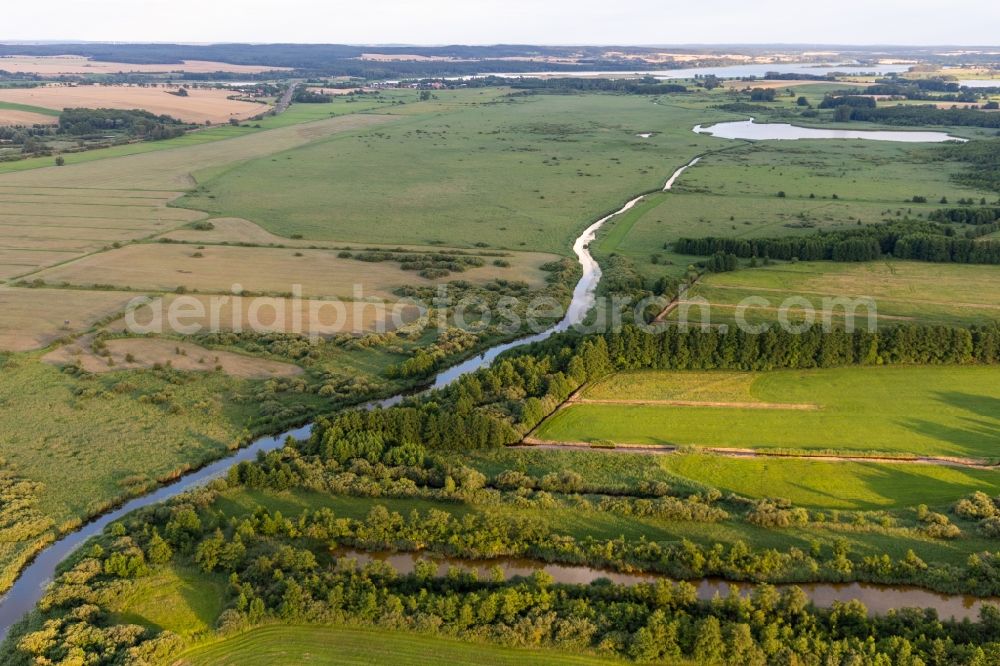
(286, 99)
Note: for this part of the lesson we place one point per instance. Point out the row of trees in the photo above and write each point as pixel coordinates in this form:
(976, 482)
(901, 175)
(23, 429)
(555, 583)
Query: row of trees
(919, 114)
(968, 215)
(854, 101)
(496, 406)
(907, 239)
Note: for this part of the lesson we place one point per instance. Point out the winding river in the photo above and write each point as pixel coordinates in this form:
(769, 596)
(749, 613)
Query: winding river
(29, 587)
(878, 599)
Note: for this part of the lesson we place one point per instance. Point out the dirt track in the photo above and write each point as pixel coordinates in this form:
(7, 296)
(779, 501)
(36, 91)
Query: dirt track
(664, 450)
(805, 407)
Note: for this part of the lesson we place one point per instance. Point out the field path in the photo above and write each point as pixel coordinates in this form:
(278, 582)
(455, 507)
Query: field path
(667, 449)
(800, 406)
(891, 299)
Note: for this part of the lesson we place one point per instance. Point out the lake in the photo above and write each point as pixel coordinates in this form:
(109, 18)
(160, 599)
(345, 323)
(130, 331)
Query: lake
(748, 129)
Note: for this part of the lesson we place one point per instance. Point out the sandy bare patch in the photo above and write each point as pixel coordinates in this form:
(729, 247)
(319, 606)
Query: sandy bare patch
(25, 118)
(266, 315)
(140, 353)
(198, 106)
(71, 64)
(34, 318)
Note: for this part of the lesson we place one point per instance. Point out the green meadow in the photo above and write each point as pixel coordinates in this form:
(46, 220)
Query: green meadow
(902, 291)
(940, 411)
(835, 485)
(329, 646)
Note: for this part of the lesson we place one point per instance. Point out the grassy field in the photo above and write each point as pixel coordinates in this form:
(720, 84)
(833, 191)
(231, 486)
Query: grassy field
(89, 442)
(834, 485)
(178, 599)
(519, 174)
(901, 290)
(326, 646)
(945, 411)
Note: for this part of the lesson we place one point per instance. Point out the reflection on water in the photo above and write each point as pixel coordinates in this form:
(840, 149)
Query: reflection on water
(748, 129)
(877, 598)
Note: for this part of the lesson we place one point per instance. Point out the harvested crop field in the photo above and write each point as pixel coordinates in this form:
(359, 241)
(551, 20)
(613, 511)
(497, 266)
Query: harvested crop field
(71, 64)
(33, 318)
(265, 314)
(17, 117)
(136, 353)
(41, 227)
(197, 106)
(274, 271)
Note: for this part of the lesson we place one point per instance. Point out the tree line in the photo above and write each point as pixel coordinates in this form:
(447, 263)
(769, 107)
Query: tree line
(134, 122)
(497, 406)
(967, 215)
(905, 239)
(918, 114)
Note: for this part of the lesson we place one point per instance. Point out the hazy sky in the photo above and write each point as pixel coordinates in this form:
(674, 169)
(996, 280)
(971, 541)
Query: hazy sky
(509, 21)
